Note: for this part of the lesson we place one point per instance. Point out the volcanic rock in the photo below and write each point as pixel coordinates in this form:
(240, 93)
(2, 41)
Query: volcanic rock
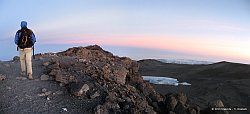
(82, 90)
(216, 104)
(182, 98)
(44, 77)
(96, 94)
(180, 109)
(46, 64)
(177, 103)
(171, 102)
(2, 77)
(44, 90)
(15, 59)
(7, 65)
(21, 78)
(91, 72)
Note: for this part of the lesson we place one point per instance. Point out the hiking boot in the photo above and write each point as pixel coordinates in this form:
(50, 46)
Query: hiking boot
(30, 76)
(23, 74)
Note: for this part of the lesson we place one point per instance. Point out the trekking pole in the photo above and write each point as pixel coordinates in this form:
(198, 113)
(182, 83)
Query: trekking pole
(33, 51)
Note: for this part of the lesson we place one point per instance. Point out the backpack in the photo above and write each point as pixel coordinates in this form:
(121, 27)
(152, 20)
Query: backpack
(25, 40)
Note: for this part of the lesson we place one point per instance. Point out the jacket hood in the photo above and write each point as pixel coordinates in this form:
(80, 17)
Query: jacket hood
(23, 24)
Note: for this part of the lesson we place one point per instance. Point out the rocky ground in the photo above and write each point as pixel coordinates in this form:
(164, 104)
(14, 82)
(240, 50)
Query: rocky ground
(224, 81)
(85, 80)
(23, 96)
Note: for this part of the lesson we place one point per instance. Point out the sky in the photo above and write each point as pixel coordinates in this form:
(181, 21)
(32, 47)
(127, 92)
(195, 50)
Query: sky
(211, 30)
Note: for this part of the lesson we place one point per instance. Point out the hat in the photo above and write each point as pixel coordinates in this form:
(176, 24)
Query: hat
(23, 24)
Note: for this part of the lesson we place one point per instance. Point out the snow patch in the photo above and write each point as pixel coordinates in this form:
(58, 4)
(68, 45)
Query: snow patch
(186, 61)
(164, 80)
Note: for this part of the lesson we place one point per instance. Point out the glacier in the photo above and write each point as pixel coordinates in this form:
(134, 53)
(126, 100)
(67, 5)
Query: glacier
(186, 61)
(164, 80)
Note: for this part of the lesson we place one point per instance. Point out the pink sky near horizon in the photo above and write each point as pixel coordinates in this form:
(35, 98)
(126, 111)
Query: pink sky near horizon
(223, 50)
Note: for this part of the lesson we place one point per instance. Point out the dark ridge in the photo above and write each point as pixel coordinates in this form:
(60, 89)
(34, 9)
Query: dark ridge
(226, 81)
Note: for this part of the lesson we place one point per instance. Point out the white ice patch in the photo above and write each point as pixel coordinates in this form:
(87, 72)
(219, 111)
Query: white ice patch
(185, 61)
(65, 109)
(164, 80)
(185, 83)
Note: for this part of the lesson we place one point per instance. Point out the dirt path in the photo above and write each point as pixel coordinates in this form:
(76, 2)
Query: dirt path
(21, 95)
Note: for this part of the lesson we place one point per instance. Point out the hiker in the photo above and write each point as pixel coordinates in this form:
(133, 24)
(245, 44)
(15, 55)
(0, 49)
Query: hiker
(25, 40)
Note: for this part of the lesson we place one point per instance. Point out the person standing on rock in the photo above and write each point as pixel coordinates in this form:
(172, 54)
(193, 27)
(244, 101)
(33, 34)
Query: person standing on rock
(25, 40)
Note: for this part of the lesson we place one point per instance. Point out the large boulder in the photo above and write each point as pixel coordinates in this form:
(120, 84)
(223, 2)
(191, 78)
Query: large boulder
(214, 107)
(177, 103)
(93, 73)
(216, 104)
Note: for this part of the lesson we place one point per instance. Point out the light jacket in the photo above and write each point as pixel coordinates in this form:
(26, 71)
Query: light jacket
(17, 36)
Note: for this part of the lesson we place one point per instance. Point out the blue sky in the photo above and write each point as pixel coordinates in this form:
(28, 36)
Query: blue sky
(213, 30)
